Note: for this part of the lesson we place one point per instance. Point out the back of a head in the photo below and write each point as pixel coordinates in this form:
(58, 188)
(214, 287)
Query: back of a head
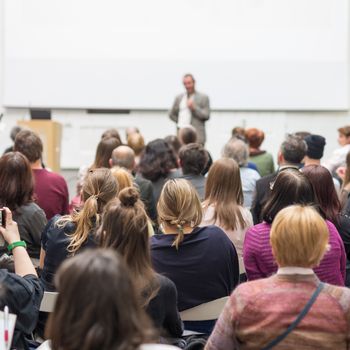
(193, 159)
(345, 130)
(315, 146)
(325, 193)
(99, 188)
(239, 133)
(174, 142)
(299, 237)
(224, 182)
(157, 160)
(111, 133)
(255, 137)
(179, 205)
(29, 143)
(188, 134)
(104, 151)
(14, 131)
(123, 177)
(123, 156)
(136, 142)
(293, 149)
(290, 187)
(237, 150)
(108, 316)
(16, 180)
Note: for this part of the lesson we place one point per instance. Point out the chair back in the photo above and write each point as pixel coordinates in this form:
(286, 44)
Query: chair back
(48, 302)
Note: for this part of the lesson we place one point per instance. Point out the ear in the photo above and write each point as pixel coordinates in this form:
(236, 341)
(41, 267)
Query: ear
(110, 162)
(280, 158)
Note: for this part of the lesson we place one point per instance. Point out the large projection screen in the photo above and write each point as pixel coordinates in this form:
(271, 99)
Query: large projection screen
(245, 54)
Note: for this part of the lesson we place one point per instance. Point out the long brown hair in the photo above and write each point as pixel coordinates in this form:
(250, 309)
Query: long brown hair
(125, 228)
(16, 180)
(96, 307)
(179, 205)
(104, 152)
(223, 190)
(98, 189)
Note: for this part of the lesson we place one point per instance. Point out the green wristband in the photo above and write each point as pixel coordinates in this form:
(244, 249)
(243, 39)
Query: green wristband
(13, 245)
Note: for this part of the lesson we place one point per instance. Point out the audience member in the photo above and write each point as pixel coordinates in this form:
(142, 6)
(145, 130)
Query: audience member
(111, 133)
(223, 205)
(137, 143)
(328, 202)
(187, 134)
(97, 306)
(157, 163)
(344, 174)
(193, 159)
(131, 130)
(276, 312)
(338, 157)
(238, 151)
(174, 142)
(262, 159)
(123, 177)
(290, 155)
(17, 186)
(14, 131)
(50, 189)
(65, 236)
(124, 156)
(201, 261)
(239, 133)
(290, 187)
(125, 229)
(21, 291)
(104, 151)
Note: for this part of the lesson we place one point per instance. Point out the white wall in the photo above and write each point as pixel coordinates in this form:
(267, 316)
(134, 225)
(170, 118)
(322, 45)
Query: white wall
(82, 131)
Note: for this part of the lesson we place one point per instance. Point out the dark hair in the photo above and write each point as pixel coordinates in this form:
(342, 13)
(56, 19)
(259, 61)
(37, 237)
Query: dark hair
(325, 193)
(111, 133)
(104, 151)
(290, 187)
(347, 171)
(29, 143)
(193, 158)
(96, 307)
(157, 160)
(174, 142)
(187, 134)
(293, 149)
(16, 180)
(14, 132)
(125, 228)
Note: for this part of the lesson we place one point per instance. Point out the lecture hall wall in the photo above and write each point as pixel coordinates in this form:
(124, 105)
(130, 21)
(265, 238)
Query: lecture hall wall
(81, 131)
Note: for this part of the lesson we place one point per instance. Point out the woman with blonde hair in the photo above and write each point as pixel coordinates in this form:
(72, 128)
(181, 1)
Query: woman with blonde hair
(125, 228)
(223, 204)
(201, 261)
(123, 177)
(291, 309)
(67, 235)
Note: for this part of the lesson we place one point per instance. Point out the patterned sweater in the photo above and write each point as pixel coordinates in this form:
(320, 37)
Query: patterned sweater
(259, 311)
(259, 261)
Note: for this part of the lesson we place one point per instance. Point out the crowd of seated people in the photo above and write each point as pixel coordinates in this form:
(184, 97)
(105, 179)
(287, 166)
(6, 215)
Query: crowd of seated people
(158, 228)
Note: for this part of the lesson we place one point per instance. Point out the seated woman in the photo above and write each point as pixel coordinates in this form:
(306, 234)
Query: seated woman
(223, 205)
(106, 317)
(201, 261)
(17, 186)
(20, 291)
(290, 187)
(258, 313)
(125, 228)
(65, 236)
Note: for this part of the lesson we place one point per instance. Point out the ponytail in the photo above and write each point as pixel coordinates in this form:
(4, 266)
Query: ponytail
(180, 232)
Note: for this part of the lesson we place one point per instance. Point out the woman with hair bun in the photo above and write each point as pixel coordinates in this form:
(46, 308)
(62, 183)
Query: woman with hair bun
(65, 236)
(201, 261)
(125, 228)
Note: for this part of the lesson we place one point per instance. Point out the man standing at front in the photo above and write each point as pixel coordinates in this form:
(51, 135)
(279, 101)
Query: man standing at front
(191, 108)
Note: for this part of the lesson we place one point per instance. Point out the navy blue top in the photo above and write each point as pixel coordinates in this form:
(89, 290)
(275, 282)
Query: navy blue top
(55, 241)
(204, 268)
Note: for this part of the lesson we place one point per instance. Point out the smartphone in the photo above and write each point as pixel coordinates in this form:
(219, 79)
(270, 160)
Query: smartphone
(3, 217)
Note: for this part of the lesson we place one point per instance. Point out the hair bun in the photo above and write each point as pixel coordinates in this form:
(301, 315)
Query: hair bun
(129, 196)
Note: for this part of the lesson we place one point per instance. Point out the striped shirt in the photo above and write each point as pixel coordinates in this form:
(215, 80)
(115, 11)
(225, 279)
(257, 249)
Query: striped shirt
(258, 311)
(259, 261)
